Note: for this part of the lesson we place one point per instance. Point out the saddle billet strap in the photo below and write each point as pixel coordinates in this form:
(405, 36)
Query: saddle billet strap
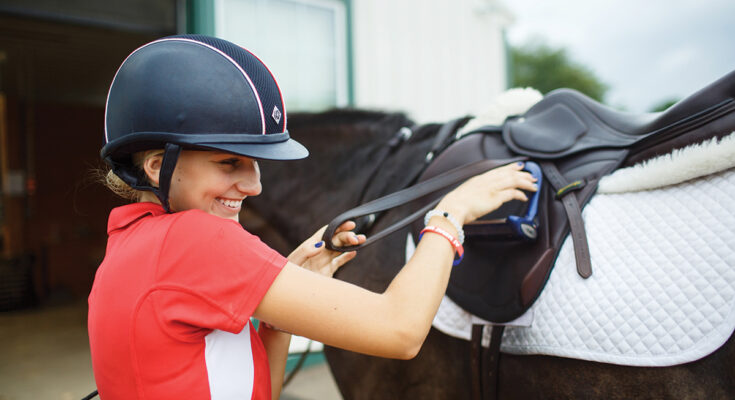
(475, 364)
(430, 186)
(446, 130)
(574, 216)
(385, 151)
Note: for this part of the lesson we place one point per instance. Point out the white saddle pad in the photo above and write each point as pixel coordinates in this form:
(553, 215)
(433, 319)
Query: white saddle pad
(662, 290)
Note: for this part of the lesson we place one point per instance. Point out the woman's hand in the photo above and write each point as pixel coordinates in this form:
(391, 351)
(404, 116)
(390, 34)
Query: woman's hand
(487, 192)
(314, 256)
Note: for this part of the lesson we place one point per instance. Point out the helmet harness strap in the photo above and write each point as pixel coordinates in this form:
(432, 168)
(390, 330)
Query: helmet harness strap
(170, 157)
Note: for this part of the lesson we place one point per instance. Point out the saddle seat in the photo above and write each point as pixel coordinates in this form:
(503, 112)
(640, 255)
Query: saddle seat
(567, 122)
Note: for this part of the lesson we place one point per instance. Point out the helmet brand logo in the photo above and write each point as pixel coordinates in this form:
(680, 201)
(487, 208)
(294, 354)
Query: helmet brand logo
(276, 114)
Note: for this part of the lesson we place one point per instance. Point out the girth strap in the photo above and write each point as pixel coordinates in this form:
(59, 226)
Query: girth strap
(485, 363)
(491, 364)
(475, 361)
(574, 215)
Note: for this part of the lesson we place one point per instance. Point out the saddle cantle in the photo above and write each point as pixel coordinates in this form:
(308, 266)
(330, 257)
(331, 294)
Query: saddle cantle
(576, 141)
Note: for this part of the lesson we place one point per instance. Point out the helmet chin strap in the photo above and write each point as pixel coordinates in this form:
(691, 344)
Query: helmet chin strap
(170, 157)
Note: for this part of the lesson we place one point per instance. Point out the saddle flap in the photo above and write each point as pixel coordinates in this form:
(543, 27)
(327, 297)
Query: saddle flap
(553, 130)
(561, 125)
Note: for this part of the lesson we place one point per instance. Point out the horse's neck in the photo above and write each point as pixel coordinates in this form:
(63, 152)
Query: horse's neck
(300, 196)
(681, 165)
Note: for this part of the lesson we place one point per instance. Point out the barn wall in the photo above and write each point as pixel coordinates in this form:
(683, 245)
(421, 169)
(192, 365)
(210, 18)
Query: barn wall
(434, 59)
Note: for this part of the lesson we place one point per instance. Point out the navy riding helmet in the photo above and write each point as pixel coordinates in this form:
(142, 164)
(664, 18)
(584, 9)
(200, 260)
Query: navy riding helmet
(193, 91)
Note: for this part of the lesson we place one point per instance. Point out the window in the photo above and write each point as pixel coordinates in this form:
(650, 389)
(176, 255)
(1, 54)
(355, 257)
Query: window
(303, 42)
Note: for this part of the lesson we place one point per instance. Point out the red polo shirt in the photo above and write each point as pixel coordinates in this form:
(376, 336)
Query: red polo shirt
(170, 307)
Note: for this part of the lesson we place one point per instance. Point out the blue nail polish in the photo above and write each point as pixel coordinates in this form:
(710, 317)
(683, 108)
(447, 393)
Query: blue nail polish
(319, 244)
(520, 163)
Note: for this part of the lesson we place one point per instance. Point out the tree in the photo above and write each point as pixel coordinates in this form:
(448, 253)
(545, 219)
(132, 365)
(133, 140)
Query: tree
(664, 105)
(544, 68)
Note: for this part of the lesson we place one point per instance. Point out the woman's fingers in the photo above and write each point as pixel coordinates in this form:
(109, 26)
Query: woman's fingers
(509, 179)
(341, 237)
(317, 236)
(342, 259)
(327, 262)
(314, 256)
(344, 236)
(488, 191)
(346, 226)
(348, 238)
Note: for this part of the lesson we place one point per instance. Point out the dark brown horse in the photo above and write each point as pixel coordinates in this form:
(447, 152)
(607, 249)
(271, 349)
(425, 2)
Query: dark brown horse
(357, 156)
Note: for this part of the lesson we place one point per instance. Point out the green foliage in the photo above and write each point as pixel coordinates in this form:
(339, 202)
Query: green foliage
(544, 68)
(664, 104)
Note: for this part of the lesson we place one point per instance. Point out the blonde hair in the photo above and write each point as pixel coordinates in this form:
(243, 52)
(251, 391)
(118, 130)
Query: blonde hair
(120, 187)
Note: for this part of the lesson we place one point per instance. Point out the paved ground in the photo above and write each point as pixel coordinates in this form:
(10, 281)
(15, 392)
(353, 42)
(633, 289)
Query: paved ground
(312, 383)
(44, 354)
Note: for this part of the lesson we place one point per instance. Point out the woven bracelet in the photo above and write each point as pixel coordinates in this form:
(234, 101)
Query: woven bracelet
(452, 240)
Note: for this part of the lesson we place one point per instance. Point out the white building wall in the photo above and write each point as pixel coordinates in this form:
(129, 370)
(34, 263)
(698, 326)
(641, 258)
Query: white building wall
(433, 59)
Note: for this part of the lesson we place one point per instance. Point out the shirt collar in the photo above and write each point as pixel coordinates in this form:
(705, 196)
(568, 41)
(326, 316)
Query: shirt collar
(121, 217)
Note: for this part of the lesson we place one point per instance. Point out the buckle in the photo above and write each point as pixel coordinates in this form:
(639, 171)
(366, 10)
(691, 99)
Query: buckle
(574, 186)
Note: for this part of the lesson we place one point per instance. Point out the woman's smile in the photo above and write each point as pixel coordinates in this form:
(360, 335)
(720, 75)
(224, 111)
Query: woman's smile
(234, 205)
(214, 182)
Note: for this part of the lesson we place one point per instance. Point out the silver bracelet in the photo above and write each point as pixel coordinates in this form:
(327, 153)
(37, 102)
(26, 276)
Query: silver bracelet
(450, 218)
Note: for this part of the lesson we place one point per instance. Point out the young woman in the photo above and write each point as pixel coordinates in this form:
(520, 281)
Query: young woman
(187, 118)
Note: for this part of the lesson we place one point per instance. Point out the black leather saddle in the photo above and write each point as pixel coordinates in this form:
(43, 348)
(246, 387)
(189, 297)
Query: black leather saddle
(576, 141)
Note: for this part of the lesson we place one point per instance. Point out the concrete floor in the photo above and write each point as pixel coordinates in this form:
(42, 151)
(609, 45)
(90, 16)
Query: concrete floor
(44, 354)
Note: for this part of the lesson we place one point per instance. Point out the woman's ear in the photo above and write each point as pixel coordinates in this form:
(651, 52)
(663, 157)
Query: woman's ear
(152, 167)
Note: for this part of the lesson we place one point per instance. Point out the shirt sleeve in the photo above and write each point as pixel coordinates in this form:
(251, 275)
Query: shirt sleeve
(212, 275)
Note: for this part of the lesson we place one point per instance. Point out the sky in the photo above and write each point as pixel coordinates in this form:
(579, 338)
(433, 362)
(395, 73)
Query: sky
(646, 51)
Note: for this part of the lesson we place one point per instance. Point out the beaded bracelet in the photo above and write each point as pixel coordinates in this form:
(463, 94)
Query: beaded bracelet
(450, 218)
(452, 240)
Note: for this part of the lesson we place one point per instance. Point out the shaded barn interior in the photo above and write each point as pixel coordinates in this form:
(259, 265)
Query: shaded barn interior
(54, 76)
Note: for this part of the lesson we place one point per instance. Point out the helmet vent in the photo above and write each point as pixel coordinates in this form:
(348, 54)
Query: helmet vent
(265, 84)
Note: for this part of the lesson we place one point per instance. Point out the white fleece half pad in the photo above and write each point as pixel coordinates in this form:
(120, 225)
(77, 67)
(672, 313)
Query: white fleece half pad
(662, 290)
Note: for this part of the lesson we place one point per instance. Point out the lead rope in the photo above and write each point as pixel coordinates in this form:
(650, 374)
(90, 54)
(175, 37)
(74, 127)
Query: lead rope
(429, 187)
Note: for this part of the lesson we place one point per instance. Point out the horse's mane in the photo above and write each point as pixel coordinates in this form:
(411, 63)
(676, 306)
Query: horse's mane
(343, 116)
